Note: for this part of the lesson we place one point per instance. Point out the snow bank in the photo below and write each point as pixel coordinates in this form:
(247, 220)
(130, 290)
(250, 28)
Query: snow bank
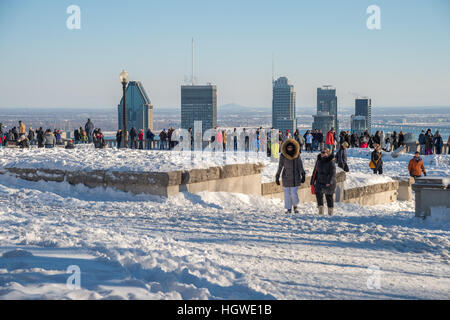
(88, 158)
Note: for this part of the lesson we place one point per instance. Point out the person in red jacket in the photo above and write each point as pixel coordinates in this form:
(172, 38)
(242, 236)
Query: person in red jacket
(141, 139)
(329, 141)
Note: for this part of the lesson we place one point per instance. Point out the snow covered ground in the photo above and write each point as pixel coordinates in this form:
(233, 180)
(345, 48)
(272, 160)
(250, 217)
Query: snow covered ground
(212, 246)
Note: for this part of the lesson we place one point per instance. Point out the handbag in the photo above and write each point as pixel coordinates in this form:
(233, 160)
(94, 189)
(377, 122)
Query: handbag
(372, 165)
(346, 169)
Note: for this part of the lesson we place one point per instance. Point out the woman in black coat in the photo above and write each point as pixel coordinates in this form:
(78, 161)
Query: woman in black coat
(290, 167)
(324, 180)
(377, 160)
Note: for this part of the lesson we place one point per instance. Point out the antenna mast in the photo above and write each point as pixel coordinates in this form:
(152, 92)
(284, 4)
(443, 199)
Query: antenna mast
(192, 61)
(273, 67)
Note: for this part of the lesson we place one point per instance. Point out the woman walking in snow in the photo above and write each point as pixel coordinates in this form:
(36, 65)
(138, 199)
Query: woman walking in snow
(324, 180)
(290, 168)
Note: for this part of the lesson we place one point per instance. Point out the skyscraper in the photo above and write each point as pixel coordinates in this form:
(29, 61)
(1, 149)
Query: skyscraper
(198, 103)
(326, 117)
(362, 120)
(139, 108)
(283, 106)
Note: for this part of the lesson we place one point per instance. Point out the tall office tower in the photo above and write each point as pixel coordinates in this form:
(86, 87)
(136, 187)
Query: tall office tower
(326, 117)
(139, 108)
(362, 120)
(199, 103)
(283, 106)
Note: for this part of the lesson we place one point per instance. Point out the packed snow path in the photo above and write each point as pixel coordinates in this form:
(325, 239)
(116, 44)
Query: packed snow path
(212, 246)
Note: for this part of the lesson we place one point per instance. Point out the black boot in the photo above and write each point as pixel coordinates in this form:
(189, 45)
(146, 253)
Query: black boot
(295, 209)
(288, 211)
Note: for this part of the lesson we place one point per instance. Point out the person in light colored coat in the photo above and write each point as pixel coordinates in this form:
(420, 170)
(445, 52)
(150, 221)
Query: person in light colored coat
(49, 140)
(290, 169)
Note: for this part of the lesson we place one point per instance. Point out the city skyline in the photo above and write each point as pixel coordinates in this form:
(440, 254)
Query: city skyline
(235, 42)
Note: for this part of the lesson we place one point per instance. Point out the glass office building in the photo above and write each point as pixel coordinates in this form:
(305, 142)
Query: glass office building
(283, 106)
(199, 103)
(139, 108)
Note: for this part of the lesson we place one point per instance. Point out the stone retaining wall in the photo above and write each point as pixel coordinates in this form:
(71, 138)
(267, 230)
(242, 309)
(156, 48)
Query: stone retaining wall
(368, 195)
(238, 178)
(404, 188)
(374, 194)
(272, 190)
(241, 178)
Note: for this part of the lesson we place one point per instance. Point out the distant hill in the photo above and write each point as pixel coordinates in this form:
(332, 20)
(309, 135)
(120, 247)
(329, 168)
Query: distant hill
(234, 107)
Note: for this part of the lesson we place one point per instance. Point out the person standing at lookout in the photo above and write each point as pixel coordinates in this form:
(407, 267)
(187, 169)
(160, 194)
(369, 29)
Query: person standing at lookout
(118, 138)
(395, 140)
(49, 139)
(89, 127)
(22, 129)
(309, 140)
(324, 180)
(329, 141)
(438, 142)
(448, 145)
(133, 138)
(401, 139)
(290, 169)
(149, 136)
(341, 157)
(422, 142)
(298, 137)
(428, 142)
(141, 139)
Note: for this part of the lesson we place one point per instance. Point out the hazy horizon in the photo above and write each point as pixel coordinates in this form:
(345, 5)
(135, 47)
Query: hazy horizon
(219, 106)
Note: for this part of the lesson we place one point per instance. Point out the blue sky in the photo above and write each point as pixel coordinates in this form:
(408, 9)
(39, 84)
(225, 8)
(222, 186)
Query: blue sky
(44, 64)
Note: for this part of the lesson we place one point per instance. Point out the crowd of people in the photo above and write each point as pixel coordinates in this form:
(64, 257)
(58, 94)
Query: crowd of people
(24, 138)
(323, 179)
(167, 139)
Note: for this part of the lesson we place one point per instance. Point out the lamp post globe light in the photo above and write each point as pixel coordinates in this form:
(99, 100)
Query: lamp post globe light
(124, 81)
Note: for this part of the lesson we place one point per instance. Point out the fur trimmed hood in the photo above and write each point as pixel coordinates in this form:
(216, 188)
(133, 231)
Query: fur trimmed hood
(296, 149)
(327, 159)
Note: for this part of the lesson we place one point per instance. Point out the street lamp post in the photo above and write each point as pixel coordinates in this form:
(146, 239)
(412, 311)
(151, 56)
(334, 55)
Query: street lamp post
(124, 81)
